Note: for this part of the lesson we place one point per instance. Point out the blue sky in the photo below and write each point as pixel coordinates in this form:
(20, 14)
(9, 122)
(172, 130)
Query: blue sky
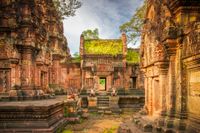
(106, 15)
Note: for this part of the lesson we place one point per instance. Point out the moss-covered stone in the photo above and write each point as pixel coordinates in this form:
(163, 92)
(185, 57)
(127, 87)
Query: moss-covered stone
(132, 56)
(99, 46)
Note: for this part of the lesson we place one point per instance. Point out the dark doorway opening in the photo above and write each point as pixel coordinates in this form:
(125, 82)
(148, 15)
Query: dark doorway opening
(133, 80)
(42, 79)
(102, 84)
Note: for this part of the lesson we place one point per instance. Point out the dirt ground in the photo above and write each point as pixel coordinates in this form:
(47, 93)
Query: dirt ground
(99, 123)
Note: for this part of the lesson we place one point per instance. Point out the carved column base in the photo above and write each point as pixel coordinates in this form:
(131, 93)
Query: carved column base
(171, 113)
(27, 93)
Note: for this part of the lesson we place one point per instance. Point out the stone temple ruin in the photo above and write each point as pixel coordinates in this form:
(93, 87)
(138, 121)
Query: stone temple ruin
(36, 67)
(35, 64)
(106, 69)
(170, 61)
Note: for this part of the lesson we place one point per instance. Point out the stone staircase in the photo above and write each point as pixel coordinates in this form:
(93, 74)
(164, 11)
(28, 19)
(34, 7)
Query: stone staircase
(4, 97)
(103, 102)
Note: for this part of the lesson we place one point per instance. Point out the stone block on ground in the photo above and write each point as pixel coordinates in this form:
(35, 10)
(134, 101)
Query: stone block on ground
(85, 115)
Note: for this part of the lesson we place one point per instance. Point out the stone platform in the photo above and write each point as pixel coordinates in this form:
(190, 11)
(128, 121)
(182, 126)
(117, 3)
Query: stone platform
(129, 100)
(40, 116)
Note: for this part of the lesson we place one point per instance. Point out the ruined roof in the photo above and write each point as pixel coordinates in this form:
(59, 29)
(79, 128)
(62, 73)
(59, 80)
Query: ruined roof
(132, 56)
(103, 46)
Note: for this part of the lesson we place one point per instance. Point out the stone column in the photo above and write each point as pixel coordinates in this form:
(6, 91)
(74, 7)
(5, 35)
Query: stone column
(124, 41)
(163, 70)
(150, 89)
(146, 92)
(181, 92)
(26, 63)
(172, 87)
(56, 69)
(27, 71)
(171, 45)
(81, 51)
(83, 79)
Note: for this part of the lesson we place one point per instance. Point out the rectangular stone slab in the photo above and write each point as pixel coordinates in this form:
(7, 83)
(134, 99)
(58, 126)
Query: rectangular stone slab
(45, 116)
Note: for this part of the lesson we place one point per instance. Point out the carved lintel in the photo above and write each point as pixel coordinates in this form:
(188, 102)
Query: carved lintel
(192, 62)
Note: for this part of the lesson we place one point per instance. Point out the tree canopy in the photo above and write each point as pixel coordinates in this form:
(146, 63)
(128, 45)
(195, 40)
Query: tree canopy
(76, 58)
(133, 27)
(91, 34)
(67, 8)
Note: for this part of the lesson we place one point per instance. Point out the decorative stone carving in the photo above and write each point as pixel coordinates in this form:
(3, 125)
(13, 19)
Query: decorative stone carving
(160, 53)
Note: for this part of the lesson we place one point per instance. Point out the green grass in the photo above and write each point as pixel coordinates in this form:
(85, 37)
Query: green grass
(95, 114)
(98, 46)
(111, 130)
(67, 131)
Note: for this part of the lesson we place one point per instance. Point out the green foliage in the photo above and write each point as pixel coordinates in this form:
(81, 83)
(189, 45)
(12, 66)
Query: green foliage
(111, 130)
(133, 27)
(91, 34)
(66, 8)
(102, 81)
(111, 47)
(67, 131)
(66, 114)
(132, 56)
(76, 58)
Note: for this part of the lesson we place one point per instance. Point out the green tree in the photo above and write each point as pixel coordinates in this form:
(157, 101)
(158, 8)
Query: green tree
(76, 57)
(67, 8)
(133, 27)
(91, 34)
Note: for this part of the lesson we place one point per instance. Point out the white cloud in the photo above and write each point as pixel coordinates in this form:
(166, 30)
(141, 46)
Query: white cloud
(106, 15)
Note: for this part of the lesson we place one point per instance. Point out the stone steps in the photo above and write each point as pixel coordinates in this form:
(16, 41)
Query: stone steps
(103, 101)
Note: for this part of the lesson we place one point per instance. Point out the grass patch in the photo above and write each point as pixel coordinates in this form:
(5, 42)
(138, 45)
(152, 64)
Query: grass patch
(67, 131)
(111, 130)
(94, 114)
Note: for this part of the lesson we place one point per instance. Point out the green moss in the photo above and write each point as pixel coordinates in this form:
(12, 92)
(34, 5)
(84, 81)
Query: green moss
(98, 46)
(132, 56)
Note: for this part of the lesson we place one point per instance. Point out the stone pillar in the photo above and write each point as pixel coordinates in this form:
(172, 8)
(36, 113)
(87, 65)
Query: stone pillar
(27, 72)
(150, 96)
(172, 87)
(83, 79)
(181, 91)
(163, 70)
(26, 63)
(146, 91)
(171, 50)
(81, 51)
(56, 70)
(124, 41)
